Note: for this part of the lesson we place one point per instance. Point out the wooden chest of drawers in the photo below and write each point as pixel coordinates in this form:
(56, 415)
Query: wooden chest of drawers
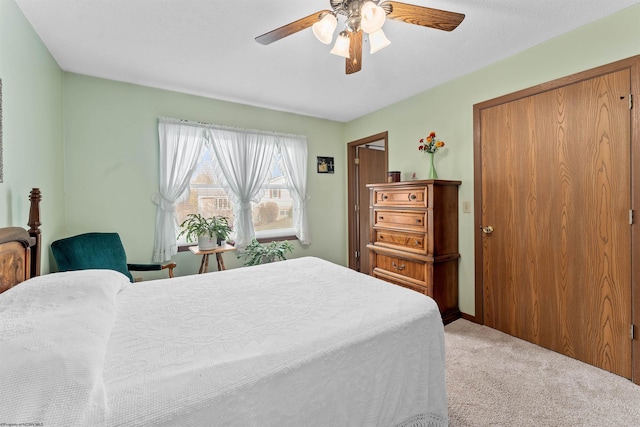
(414, 239)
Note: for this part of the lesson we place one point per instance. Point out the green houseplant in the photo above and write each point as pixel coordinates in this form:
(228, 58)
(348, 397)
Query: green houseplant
(221, 228)
(257, 253)
(208, 232)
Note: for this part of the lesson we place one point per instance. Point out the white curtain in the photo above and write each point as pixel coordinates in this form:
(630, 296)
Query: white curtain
(293, 150)
(244, 163)
(181, 144)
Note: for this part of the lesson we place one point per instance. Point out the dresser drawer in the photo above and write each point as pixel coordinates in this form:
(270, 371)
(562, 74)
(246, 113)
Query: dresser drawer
(411, 242)
(409, 197)
(403, 220)
(395, 266)
(399, 282)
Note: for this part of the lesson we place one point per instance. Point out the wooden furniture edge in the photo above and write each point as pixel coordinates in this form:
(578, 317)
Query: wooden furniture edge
(35, 196)
(413, 183)
(22, 246)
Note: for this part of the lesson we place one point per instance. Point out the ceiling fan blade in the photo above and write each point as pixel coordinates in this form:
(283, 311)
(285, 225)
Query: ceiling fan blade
(425, 16)
(290, 28)
(354, 62)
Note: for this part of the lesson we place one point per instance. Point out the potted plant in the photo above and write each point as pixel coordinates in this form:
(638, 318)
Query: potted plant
(221, 229)
(257, 253)
(200, 229)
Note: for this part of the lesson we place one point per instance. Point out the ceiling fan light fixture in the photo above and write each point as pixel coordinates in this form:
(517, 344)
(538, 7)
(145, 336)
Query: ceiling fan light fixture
(324, 28)
(362, 17)
(373, 17)
(378, 41)
(341, 48)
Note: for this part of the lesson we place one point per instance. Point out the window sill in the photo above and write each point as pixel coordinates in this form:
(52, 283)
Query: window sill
(185, 246)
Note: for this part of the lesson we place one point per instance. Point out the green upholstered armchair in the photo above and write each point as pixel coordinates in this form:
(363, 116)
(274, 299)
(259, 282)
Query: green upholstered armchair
(98, 251)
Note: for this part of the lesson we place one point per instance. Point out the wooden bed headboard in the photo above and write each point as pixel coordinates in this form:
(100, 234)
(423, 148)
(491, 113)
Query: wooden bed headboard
(20, 249)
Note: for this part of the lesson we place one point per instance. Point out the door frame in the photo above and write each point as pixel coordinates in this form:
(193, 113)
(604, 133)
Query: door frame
(632, 64)
(352, 190)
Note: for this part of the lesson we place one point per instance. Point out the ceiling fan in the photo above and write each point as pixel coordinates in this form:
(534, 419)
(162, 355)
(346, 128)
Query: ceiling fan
(363, 16)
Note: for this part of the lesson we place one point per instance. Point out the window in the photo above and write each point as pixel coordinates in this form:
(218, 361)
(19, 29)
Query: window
(272, 216)
(219, 170)
(275, 193)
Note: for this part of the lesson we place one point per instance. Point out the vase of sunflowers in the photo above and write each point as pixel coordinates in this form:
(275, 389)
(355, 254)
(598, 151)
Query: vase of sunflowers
(430, 145)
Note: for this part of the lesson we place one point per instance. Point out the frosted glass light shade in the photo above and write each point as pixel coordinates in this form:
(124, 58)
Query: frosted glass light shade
(373, 17)
(378, 41)
(341, 48)
(323, 29)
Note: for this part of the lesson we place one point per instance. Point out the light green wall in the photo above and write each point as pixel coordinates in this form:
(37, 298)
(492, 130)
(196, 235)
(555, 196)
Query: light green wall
(111, 163)
(31, 125)
(448, 110)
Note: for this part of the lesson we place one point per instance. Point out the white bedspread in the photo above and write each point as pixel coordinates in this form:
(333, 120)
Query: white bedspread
(298, 343)
(54, 331)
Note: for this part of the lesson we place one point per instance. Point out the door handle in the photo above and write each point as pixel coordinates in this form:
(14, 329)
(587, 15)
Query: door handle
(487, 229)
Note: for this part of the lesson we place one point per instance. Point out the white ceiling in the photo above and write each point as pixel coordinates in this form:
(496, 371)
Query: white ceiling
(207, 47)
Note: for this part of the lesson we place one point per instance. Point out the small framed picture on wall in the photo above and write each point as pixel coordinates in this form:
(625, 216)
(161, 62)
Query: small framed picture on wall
(325, 164)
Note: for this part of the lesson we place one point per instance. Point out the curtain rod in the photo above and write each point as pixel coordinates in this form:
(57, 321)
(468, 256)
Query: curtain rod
(227, 128)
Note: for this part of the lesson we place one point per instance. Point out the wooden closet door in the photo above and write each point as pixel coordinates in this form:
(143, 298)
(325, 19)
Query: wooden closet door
(556, 190)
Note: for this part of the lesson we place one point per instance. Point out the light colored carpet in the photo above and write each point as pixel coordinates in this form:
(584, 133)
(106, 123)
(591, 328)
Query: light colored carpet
(494, 379)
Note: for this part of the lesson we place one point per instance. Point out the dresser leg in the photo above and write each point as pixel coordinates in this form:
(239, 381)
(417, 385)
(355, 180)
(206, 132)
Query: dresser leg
(450, 315)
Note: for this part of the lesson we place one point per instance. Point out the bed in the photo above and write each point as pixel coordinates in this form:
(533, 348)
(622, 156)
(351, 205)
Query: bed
(302, 342)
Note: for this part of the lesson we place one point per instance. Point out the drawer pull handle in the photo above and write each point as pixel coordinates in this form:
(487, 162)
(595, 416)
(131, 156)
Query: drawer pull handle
(398, 267)
(413, 197)
(381, 218)
(385, 197)
(381, 237)
(418, 243)
(418, 221)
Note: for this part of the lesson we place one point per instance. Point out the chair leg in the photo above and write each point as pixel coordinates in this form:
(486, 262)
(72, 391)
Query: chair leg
(170, 266)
